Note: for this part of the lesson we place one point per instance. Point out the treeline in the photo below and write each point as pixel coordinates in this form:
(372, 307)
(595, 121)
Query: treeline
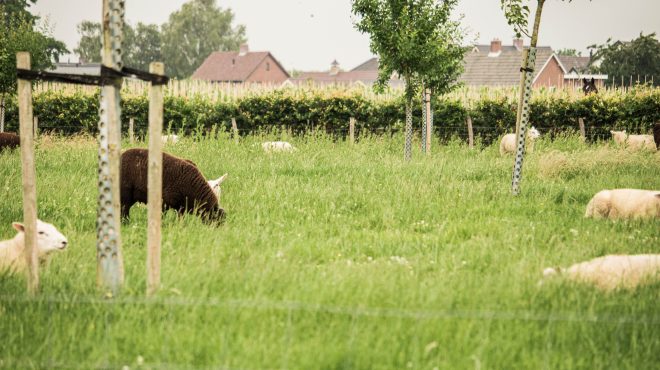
(635, 111)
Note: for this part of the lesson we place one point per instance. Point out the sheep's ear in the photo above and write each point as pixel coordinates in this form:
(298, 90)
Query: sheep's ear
(222, 178)
(18, 226)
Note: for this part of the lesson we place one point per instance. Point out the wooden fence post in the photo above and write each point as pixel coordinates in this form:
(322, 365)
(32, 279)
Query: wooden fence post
(28, 173)
(351, 130)
(583, 134)
(36, 127)
(470, 133)
(131, 129)
(234, 129)
(155, 180)
(427, 102)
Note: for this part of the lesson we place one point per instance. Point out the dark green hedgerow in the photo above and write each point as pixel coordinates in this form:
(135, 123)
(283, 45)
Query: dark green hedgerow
(635, 111)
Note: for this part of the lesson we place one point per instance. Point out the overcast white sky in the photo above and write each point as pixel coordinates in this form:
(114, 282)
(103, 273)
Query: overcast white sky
(309, 35)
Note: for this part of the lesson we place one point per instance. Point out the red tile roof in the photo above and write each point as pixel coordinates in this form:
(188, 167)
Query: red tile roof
(230, 66)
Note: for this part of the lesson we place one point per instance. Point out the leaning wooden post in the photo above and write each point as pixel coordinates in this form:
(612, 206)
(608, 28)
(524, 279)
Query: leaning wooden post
(470, 133)
(131, 130)
(351, 130)
(528, 72)
(234, 129)
(429, 123)
(583, 134)
(155, 179)
(110, 265)
(29, 174)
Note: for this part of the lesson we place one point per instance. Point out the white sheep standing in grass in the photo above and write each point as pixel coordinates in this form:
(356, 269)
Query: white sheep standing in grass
(508, 142)
(612, 271)
(277, 146)
(12, 256)
(171, 138)
(634, 142)
(624, 203)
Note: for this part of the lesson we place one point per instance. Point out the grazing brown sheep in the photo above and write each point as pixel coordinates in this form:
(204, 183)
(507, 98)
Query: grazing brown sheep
(184, 187)
(9, 141)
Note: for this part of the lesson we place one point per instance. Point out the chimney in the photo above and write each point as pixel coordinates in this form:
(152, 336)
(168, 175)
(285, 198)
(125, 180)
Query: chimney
(334, 68)
(495, 47)
(243, 49)
(518, 43)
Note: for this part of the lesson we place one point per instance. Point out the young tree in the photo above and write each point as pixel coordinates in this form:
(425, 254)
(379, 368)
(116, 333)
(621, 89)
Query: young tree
(639, 57)
(415, 39)
(199, 28)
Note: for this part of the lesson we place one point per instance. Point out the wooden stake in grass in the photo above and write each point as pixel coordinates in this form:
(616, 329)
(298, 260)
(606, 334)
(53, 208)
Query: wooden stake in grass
(35, 127)
(234, 129)
(155, 180)
(583, 134)
(470, 133)
(427, 102)
(131, 128)
(351, 130)
(29, 174)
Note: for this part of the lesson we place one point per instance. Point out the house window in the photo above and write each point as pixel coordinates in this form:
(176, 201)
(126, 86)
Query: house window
(267, 66)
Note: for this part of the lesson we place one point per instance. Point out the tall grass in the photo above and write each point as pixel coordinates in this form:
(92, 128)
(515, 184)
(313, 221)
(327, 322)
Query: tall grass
(340, 256)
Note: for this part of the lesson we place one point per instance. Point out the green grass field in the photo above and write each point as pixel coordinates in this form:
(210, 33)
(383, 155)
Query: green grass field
(342, 257)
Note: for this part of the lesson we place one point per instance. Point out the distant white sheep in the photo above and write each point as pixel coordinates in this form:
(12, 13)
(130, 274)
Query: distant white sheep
(171, 138)
(624, 203)
(508, 142)
(12, 255)
(612, 271)
(277, 146)
(634, 142)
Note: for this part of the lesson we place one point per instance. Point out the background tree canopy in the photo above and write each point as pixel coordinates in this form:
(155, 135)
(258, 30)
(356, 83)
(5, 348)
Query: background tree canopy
(194, 32)
(639, 57)
(21, 31)
(190, 35)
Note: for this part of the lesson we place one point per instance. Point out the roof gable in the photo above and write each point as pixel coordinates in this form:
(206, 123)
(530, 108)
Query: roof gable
(232, 66)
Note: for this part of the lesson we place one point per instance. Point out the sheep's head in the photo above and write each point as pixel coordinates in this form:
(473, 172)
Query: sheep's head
(49, 239)
(215, 185)
(618, 136)
(533, 133)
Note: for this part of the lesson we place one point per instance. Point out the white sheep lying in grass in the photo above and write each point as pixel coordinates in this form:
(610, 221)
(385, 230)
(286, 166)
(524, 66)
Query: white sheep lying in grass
(171, 138)
(634, 142)
(508, 142)
(612, 271)
(12, 255)
(277, 146)
(624, 203)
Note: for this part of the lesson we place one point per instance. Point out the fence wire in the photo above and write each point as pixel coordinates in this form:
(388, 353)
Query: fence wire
(360, 311)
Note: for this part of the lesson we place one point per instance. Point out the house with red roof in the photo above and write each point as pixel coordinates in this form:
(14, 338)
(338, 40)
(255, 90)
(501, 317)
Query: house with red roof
(243, 66)
(484, 65)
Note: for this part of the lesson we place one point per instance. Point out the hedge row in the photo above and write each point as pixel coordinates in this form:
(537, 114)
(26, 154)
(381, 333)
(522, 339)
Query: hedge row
(635, 111)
